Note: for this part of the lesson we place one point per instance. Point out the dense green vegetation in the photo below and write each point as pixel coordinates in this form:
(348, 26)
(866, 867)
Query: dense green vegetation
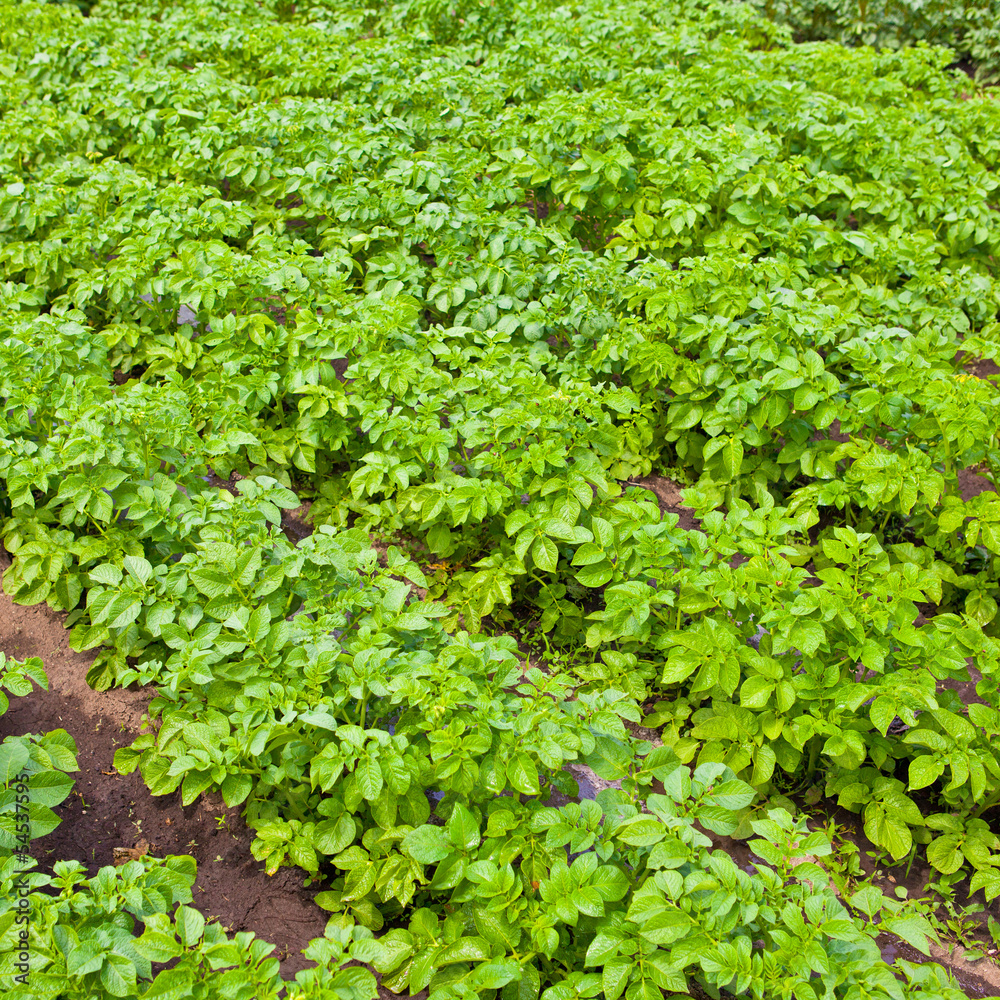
(971, 29)
(461, 274)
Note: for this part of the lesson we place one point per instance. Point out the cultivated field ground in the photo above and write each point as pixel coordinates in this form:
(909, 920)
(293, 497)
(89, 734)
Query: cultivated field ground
(499, 500)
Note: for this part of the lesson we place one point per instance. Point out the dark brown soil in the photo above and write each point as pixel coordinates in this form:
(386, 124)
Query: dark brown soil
(966, 689)
(295, 523)
(832, 433)
(668, 493)
(982, 368)
(971, 484)
(107, 810)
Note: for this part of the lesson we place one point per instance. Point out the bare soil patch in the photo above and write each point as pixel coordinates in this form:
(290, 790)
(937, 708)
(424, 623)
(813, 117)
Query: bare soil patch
(983, 368)
(668, 493)
(971, 484)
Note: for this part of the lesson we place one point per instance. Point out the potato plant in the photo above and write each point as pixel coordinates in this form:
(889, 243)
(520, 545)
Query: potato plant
(461, 276)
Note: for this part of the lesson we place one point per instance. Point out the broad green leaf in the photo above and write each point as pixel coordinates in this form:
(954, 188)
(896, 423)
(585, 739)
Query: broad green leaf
(523, 774)
(427, 844)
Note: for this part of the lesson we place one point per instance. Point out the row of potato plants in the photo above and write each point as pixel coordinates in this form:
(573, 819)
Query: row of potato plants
(622, 896)
(460, 279)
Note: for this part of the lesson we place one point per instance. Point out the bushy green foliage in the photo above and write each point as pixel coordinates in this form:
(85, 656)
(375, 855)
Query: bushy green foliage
(461, 275)
(639, 899)
(970, 28)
